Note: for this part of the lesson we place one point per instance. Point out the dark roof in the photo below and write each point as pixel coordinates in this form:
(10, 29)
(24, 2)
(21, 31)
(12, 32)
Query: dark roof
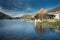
(49, 15)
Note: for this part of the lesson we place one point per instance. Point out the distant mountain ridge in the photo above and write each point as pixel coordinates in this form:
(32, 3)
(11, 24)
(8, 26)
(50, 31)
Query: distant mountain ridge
(26, 16)
(4, 16)
(54, 9)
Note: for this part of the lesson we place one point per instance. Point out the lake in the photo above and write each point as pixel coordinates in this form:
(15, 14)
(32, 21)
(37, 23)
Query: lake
(18, 30)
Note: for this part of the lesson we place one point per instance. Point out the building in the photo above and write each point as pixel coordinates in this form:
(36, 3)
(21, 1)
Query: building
(57, 16)
(42, 16)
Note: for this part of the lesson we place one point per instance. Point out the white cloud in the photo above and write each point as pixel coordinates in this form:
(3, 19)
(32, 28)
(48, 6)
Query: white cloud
(19, 13)
(28, 9)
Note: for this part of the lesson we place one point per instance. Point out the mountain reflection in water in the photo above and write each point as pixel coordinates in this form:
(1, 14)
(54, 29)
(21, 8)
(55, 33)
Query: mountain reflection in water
(17, 30)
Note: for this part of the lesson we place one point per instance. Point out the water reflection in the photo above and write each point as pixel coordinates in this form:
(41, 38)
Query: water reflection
(17, 30)
(47, 33)
(40, 31)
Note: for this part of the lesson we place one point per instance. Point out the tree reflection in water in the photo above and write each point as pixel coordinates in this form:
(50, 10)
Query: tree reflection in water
(40, 29)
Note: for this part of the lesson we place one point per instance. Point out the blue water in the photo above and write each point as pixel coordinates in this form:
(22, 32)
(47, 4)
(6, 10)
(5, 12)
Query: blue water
(17, 30)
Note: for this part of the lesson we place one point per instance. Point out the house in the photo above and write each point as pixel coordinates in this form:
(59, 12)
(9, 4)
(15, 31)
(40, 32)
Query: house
(42, 15)
(57, 16)
(49, 16)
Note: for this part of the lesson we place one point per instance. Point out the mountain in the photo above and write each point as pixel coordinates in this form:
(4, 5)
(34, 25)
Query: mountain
(4, 16)
(54, 9)
(26, 16)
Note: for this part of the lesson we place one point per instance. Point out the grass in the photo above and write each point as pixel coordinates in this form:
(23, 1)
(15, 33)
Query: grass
(56, 23)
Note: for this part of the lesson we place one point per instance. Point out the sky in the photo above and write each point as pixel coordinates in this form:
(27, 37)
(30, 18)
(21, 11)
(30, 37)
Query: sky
(20, 7)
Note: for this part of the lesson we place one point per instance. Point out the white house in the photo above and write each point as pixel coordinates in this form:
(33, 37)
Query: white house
(57, 16)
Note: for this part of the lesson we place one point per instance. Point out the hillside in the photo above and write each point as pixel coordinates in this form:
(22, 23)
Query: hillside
(54, 9)
(4, 16)
(26, 16)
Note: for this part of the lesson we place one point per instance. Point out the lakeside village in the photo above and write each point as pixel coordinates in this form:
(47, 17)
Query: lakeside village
(45, 18)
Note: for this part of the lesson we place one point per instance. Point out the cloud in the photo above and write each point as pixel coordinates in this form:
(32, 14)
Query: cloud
(20, 5)
(17, 7)
(19, 13)
(28, 10)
